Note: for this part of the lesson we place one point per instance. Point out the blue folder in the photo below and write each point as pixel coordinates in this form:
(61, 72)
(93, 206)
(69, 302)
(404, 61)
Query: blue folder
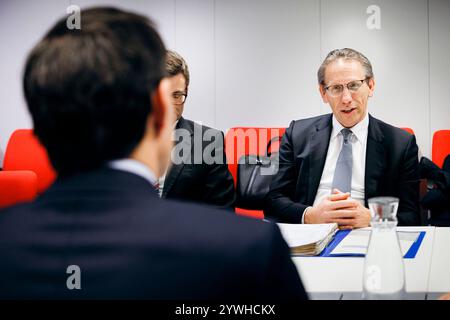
(341, 234)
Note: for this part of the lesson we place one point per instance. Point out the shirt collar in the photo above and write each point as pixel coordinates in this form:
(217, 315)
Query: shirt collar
(136, 167)
(359, 130)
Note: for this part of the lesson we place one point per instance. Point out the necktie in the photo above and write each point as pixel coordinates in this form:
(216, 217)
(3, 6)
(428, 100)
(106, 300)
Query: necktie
(342, 178)
(156, 186)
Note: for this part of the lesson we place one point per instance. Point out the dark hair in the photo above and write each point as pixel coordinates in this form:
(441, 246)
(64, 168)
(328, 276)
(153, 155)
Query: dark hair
(89, 90)
(175, 64)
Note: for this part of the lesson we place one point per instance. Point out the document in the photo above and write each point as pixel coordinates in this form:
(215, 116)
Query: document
(307, 239)
(357, 241)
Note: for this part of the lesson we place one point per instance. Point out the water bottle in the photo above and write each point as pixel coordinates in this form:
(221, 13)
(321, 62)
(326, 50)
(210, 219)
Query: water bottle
(384, 274)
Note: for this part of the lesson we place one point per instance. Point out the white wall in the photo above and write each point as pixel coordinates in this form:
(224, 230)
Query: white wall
(439, 66)
(254, 62)
(398, 53)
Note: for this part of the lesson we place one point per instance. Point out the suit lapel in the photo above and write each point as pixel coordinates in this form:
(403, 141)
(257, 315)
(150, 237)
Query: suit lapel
(318, 146)
(175, 170)
(171, 177)
(375, 159)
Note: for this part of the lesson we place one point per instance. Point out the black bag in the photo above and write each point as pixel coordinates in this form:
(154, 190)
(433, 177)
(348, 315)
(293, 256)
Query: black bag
(437, 199)
(254, 175)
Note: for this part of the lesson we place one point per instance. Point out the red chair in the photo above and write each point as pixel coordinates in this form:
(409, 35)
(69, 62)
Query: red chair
(17, 186)
(240, 141)
(440, 147)
(24, 152)
(408, 130)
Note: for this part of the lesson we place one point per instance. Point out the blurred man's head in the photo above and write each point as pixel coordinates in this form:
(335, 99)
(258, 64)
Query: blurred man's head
(346, 82)
(178, 73)
(97, 94)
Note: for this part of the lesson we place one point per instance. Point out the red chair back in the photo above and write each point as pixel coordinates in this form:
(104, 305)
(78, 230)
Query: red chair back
(17, 186)
(240, 141)
(408, 130)
(24, 152)
(440, 147)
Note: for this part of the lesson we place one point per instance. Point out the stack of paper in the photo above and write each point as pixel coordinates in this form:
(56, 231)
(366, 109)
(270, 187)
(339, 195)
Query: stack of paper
(307, 239)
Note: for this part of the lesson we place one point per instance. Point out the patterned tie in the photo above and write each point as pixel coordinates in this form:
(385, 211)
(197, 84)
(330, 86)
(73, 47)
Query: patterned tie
(156, 186)
(342, 179)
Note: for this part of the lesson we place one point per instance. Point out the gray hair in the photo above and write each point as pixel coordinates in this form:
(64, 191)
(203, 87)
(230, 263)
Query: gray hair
(346, 54)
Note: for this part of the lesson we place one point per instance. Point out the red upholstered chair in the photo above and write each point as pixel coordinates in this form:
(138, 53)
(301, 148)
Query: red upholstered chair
(440, 147)
(408, 130)
(17, 186)
(24, 152)
(240, 141)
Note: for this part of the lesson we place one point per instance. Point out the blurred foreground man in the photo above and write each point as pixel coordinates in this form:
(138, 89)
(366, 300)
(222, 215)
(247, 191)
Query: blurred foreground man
(332, 164)
(100, 104)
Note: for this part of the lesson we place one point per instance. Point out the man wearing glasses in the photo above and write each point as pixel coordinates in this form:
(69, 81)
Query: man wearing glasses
(198, 173)
(332, 164)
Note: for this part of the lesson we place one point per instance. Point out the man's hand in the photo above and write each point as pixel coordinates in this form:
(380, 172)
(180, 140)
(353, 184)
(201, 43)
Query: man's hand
(445, 297)
(357, 217)
(333, 202)
(341, 209)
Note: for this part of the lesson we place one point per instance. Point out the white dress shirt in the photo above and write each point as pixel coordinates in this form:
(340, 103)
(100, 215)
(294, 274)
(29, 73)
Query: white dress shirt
(136, 167)
(359, 145)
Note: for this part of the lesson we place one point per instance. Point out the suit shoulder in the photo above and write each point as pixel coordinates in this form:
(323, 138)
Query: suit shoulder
(15, 209)
(220, 226)
(310, 123)
(14, 216)
(194, 125)
(392, 131)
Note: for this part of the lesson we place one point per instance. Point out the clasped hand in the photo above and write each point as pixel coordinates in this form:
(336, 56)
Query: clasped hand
(341, 209)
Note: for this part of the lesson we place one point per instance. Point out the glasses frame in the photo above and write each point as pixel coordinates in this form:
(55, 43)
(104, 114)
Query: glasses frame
(180, 94)
(346, 85)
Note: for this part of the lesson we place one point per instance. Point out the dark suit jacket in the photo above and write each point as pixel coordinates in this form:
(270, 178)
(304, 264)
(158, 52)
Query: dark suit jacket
(391, 168)
(204, 183)
(129, 243)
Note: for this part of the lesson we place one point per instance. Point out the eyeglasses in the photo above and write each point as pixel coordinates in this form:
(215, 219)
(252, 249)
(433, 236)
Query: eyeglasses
(179, 97)
(335, 90)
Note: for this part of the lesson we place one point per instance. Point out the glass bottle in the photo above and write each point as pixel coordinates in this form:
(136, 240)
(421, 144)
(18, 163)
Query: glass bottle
(384, 275)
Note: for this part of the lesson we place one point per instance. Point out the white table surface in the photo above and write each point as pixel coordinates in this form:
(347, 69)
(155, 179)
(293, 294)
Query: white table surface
(439, 278)
(344, 274)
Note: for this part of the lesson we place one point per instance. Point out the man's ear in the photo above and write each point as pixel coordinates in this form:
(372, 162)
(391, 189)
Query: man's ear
(371, 85)
(323, 93)
(160, 106)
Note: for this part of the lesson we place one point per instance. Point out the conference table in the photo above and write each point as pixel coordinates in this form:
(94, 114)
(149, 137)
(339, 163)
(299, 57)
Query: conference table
(340, 278)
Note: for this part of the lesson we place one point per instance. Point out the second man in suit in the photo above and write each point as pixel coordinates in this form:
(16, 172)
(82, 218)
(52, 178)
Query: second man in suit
(332, 164)
(199, 172)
